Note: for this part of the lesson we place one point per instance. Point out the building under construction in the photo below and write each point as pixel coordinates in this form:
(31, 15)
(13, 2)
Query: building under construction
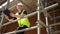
(44, 16)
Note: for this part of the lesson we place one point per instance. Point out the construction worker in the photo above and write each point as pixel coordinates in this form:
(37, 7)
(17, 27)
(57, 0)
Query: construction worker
(22, 23)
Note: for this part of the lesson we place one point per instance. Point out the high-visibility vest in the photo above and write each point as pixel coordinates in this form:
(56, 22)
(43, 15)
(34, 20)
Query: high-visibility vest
(24, 21)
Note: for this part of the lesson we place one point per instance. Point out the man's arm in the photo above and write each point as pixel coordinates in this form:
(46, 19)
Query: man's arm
(17, 16)
(24, 13)
(8, 18)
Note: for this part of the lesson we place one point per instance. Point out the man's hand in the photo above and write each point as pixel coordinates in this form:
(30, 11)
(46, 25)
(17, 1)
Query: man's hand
(11, 20)
(22, 16)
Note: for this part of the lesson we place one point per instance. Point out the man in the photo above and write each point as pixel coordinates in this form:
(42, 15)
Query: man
(22, 23)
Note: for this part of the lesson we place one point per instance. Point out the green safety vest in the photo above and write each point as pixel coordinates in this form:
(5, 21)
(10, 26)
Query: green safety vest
(24, 21)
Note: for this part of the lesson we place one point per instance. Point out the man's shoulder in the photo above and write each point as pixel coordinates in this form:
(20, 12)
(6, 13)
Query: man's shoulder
(25, 12)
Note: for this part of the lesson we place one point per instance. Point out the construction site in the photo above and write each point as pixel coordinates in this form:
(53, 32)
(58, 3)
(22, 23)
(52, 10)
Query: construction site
(43, 16)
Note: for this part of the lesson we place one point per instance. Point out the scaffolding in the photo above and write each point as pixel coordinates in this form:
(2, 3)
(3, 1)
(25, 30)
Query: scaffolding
(40, 8)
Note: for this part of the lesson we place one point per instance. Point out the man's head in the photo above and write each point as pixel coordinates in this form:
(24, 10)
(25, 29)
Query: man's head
(19, 6)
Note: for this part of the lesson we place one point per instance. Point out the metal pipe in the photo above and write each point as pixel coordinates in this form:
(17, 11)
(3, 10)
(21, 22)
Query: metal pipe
(47, 29)
(51, 2)
(38, 17)
(46, 18)
(54, 21)
(2, 18)
(54, 24)
(49, 7)
(27, 29)
(56, 32)
(54, 11)
(55, 17)
(2, 22)
(32, 13)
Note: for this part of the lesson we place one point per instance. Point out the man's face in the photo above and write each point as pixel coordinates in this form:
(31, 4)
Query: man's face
(19, 7)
